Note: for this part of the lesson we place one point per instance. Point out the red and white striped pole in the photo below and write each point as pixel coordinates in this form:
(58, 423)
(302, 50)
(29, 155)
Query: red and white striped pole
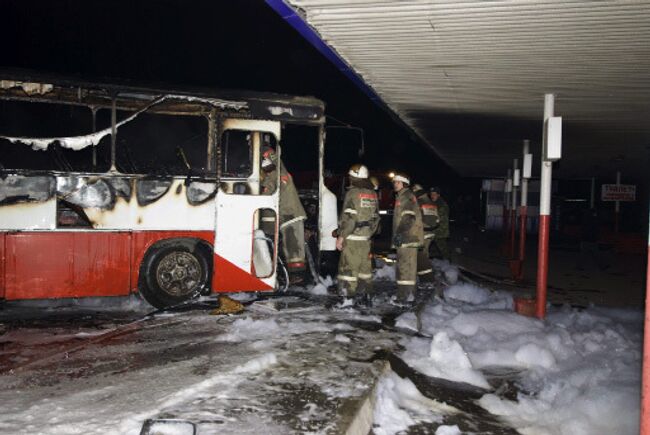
(544, 213)
(523, 209)
(645, 389)
(513, 208)
(507, 186)
(617, 205)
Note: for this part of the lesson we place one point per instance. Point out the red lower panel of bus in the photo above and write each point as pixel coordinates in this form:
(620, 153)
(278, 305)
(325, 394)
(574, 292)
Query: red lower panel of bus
(2, 265)
(229, 278)
(40, 265)
(61, 265)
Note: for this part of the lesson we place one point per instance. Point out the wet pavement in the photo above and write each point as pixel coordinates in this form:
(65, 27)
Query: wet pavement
(291, 364)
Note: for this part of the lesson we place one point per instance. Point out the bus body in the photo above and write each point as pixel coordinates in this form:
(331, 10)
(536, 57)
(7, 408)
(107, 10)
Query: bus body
(132, 189)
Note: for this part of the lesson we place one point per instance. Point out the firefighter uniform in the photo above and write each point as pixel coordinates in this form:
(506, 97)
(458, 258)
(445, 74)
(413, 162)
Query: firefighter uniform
(408, 237)
(292, 213)
(441, 232)
(358, 222)
(430, 221)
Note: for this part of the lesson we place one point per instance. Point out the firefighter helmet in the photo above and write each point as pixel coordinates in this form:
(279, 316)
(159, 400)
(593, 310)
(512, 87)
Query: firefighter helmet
(400, 176)
(358, 171)
(269, 157)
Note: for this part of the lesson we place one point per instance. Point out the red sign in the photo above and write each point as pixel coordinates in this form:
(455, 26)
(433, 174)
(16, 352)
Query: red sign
(618, 192)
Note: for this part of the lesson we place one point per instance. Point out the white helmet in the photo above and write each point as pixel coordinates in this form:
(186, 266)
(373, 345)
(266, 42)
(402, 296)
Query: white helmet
(358, 171)
(402, 177)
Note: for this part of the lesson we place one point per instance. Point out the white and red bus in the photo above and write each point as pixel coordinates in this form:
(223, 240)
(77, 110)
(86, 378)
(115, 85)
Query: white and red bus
(107, 190)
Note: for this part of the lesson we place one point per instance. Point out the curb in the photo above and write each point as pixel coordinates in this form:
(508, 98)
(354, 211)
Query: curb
(363, 416)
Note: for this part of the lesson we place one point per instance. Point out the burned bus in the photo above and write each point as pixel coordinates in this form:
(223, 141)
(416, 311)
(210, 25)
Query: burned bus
(107, 190)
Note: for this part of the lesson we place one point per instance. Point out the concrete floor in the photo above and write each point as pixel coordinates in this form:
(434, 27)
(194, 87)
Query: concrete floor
(578, 275)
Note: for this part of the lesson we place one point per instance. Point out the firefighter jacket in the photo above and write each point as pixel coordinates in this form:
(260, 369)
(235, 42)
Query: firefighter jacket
(291, 208)
(430, 218)
(360, 217)
(407, 220)
(442, 230)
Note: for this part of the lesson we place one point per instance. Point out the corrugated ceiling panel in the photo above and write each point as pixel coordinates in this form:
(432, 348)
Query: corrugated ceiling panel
(497, 58)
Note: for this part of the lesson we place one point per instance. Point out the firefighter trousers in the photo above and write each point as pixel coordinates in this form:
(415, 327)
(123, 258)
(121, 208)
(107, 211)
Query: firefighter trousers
(406, 272)
(425, 271)
(355, 268)
(293, 244)
(442, 247)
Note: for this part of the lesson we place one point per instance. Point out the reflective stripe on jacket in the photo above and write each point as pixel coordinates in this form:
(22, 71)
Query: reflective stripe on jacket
(407, 219)
(360, 215)
(430, 219)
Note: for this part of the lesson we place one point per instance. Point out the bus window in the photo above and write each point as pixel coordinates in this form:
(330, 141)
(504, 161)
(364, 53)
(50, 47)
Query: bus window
(41, 120)
(236, 154)
(162, 144)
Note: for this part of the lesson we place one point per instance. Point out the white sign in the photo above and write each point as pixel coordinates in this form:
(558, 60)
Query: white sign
(528, 165)
(553, 148)
(618, 192)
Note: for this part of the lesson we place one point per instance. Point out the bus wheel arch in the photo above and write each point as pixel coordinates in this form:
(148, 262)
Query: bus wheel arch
(175, 270)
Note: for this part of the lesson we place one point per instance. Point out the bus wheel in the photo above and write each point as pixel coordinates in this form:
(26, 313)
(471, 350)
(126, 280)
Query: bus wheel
(174, 271)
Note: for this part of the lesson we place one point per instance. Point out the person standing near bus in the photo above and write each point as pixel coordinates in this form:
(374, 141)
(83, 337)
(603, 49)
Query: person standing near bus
(292, 214)
(359, 220)
(408, 237)
(441, 232)
(430, 221)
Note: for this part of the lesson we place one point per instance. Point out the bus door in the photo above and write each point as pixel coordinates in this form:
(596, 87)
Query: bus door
(246, 217)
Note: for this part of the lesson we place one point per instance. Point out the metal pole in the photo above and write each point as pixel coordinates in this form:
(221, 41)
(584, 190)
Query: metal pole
(506, 204)
(544, 214)
(592, 199)
(645, 384)
(94, 112)
(523, 210)
(617, 206)
(513, 210)
(113, 133)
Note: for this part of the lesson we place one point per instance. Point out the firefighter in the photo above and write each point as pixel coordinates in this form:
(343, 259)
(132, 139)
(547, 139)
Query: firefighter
(292, 214)
(408, 237)
(430, 221)
(441, 232)
(358, 222)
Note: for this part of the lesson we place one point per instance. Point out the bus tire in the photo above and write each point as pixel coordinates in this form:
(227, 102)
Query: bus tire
(174, 271)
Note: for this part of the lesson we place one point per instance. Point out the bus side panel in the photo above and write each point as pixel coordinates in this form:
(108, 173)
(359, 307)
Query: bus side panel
(42, 265)
(2, 265)
(143, 240)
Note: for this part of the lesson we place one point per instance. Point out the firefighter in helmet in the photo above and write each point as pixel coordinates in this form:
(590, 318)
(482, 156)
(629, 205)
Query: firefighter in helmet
(408, 237)
(430, 221)
(292, 213)
(358, 222)
(441, 232)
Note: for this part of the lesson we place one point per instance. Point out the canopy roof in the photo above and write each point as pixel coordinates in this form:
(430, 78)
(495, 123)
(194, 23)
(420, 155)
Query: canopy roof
(469, 77)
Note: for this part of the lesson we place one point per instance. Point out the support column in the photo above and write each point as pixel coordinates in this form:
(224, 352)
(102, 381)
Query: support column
(617, 206)
(113, 133)
(506, 204)
(544, 213)
(513, 209)
(645, 383)
(523, 209)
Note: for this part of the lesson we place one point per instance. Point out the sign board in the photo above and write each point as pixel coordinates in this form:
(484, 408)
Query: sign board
(553, 146)
(618, 192)
(528, 165)
(516, 178)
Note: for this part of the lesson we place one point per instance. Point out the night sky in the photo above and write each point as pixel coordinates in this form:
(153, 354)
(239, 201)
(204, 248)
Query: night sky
(239, 44)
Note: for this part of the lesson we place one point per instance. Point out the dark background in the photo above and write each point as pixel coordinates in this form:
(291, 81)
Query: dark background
(239, 44)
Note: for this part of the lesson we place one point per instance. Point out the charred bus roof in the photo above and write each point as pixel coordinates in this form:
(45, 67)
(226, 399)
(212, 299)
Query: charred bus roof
(29, 86)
